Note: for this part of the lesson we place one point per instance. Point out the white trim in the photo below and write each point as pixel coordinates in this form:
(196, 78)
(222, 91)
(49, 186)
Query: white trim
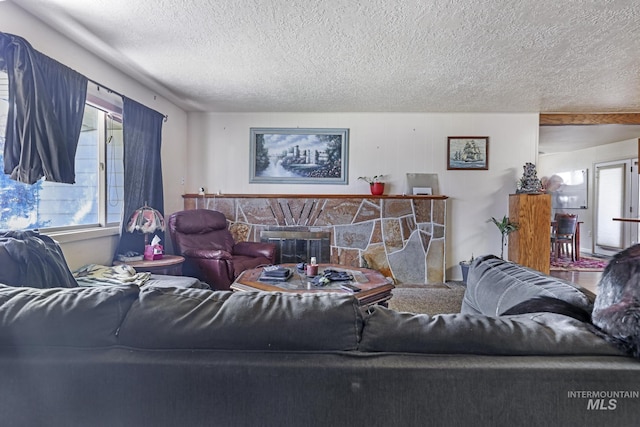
(86, 234)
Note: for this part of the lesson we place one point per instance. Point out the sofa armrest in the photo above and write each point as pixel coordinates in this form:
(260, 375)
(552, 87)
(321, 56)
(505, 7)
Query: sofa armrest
(495, 285)
(256, 249)
(207, 254)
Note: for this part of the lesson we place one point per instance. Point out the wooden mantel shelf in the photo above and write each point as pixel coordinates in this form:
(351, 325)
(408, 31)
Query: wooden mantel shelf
(309, 196)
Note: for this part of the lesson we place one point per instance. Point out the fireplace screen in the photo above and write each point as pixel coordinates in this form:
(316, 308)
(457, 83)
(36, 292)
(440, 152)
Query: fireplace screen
(293, 247)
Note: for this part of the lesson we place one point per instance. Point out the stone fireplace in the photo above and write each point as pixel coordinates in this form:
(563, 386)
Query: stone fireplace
(403, 237)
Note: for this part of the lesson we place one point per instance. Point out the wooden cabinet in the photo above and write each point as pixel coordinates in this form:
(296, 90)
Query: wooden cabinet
(530, 245)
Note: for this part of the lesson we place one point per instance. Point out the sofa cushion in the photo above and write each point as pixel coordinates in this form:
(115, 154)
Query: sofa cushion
(38, 259)
(81, 317)
(495, 285)
(168, 281)
(525, 334)
(165, 318)
(10, 271)
(617, 305)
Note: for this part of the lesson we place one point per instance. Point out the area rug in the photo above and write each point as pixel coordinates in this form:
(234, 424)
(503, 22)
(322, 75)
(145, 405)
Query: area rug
(581, 264)
(430, 299)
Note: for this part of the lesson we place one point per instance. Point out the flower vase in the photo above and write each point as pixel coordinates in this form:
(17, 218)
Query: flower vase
(377, 188)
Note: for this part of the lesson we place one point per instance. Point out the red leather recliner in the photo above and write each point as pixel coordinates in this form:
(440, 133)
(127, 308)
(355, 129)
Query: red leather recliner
(202, 237)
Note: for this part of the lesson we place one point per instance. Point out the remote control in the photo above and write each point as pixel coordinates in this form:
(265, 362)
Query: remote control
(349, 287)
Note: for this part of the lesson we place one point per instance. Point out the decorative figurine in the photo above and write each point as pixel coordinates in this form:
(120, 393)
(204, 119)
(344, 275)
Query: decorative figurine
(529, 183)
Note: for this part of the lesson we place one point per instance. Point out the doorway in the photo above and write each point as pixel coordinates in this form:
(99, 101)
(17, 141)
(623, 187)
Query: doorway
(597, 129)
(616, 196)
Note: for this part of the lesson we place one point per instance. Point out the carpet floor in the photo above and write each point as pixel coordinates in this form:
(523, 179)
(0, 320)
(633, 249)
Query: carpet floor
(438, 298)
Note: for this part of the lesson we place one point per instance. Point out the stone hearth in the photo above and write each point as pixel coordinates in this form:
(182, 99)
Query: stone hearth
(401, 236)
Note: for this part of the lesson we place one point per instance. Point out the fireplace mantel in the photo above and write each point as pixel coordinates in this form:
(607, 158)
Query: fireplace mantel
(307, 196)
(402, 236)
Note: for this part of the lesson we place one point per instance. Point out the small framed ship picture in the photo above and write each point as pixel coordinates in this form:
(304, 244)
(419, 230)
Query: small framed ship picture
(468, 153)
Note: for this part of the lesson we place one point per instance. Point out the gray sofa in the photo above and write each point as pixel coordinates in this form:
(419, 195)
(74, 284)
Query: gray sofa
(162, 356)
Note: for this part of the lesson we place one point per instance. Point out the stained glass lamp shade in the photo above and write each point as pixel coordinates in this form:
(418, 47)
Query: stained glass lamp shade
(146, 220)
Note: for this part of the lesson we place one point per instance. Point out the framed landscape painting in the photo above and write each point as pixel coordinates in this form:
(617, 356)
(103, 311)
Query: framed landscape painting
(299, 156)
(468, 153)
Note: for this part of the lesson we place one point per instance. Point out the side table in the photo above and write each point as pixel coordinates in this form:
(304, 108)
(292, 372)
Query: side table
(169, 264)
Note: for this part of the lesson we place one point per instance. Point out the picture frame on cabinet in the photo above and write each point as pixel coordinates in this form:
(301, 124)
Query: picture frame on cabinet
(299, 156)
(422, 191)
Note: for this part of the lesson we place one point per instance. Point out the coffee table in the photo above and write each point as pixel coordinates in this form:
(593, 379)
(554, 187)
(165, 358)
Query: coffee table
(375, 288)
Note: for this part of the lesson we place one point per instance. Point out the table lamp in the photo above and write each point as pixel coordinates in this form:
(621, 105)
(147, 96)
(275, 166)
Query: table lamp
(146, 220)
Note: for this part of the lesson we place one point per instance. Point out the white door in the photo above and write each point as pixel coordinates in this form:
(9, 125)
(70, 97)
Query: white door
(616, 197)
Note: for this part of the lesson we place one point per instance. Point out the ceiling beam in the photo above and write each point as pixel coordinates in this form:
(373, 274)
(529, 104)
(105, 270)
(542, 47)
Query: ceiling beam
(563, 119)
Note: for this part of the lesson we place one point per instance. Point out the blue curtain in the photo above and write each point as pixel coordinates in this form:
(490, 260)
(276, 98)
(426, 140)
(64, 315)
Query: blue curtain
(142, 138)
(46, 106)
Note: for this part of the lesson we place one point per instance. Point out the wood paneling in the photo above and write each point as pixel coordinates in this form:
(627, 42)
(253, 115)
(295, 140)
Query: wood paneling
(561, 119)
(530, 245)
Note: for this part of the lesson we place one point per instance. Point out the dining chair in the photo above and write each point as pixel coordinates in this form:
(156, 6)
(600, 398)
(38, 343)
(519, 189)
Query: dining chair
(563, 235)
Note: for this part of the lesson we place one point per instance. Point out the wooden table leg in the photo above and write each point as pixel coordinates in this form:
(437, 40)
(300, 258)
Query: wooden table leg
(576, 242)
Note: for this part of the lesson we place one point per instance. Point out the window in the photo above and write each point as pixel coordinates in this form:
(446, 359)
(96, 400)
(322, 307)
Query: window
(95, 199)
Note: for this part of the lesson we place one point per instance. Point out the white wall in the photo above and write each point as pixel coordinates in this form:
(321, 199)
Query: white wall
(387, 143)
(548, 164)
(79, 250)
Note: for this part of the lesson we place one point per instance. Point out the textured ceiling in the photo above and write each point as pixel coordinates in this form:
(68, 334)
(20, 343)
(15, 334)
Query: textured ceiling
(367, 55)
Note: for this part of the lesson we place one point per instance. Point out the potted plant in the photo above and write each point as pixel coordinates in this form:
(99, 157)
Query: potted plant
(506, 227)
(376, 184)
